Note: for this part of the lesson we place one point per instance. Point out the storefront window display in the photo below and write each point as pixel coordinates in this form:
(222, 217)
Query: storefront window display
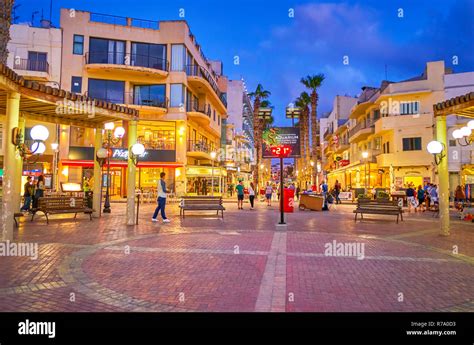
(199, 180)
(157, 135)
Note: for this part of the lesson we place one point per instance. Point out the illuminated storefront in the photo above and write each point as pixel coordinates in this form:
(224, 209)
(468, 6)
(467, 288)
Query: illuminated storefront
(199, 180)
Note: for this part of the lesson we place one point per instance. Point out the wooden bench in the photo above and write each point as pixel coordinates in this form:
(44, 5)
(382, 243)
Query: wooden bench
(383, 207)
(201, 203)
(62, 204)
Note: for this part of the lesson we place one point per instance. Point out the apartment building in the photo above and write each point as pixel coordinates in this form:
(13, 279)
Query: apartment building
(239, 146)
(35, 54)
(159, 68)
(388, 130)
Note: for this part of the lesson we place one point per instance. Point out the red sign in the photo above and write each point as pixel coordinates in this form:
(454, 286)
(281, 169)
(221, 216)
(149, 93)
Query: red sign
(281, 151)
(344, 162)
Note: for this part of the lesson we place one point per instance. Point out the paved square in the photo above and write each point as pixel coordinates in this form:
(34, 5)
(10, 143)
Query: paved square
(241, 263)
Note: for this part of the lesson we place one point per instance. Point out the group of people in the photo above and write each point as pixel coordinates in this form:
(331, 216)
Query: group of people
(422, 198)
(33, 190)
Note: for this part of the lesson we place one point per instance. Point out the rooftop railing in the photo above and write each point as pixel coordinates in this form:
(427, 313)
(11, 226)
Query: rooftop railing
(124, 21)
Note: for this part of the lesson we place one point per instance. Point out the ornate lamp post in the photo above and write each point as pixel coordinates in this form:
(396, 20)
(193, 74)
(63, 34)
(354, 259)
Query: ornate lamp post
(136, 151)
(464, 133)
(111, 139)
(264, 114)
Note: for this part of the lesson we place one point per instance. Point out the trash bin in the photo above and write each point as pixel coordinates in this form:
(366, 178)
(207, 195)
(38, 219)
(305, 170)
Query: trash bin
(288, 200)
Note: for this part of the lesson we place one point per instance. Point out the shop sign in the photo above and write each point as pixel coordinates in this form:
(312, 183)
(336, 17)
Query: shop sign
(344, 162)
(122, 154)
(281, 141)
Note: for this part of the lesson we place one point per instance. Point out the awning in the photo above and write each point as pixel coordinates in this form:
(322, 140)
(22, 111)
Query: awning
(89, 163)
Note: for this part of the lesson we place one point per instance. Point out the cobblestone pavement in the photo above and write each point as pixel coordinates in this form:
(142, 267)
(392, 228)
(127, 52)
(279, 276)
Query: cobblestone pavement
(241, 263)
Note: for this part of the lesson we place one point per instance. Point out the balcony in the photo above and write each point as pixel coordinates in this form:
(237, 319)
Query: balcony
(201, 78)
(199, 149)
(361, 131)
(147, 104)
(342, 146)
(389, 123)
(126, 64)
(327, 133)
(32, 69)
(199, 113)
(405, 158)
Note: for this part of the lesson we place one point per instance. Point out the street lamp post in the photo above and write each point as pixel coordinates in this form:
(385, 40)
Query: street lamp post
(111, 140)
(318, 171)
(264, 114)
(101, 157)
(213, 156)
(312, 173)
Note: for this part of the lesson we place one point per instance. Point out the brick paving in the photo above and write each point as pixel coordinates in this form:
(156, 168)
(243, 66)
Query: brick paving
(242, 263)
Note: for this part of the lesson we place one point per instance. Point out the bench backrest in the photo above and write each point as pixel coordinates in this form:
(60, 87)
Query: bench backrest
(199, 200)
(376, 202)
(62, 203)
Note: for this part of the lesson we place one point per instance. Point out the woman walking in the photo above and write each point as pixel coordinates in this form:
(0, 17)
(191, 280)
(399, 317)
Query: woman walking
(459, 198)
(251, 195)
(268, 194)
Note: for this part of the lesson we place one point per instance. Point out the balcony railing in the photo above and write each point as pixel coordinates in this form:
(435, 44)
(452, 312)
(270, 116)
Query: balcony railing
(360, 126)
(127, 59)
(31, 65)
(198, 71)
(199, 146)
(147, 100)
(196, 107)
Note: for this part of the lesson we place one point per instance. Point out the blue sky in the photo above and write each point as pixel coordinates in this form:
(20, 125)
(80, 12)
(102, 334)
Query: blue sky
(277, 49)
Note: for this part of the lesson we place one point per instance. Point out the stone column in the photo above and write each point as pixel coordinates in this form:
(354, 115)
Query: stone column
(11, 160)
(131, 174)
(443, 176)
(97, 188)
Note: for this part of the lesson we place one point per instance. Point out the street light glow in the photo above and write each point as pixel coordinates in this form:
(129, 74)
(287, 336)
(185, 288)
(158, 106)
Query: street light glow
(138, 149)
(119, 132)
(457, 134)
(109, 126)
(39, 132)
(466, 131)
(470, 124)
(38, 148)
(102, 153)
(365, 154)
(213, 154)
(434, 147)
(54, 146)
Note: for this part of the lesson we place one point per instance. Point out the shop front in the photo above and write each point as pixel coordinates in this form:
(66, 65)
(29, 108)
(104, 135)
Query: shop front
(200, 180)
(79, 168)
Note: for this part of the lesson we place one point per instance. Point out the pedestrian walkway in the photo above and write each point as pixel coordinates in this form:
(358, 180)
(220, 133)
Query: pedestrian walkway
(242, 263)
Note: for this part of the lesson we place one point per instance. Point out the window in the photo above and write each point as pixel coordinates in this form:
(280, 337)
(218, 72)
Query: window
(376, 114)
(78, 45)
(107, 90)
(37, 61)
(106, 51)
(76, 84)
(178, 57)
(377, 143)
(386, 147)
(149, 55)
(409, 108)
(150, 95)
(411, 144)
(177, 95)
(219, 120)
(452, 143)
(214, 115)
(157, 135)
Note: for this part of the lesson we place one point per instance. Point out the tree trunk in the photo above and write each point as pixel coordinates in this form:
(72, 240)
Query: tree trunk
(256, 138)
(5, 22)
(314, 132)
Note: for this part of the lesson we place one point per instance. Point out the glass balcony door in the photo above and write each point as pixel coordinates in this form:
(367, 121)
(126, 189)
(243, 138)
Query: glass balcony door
(106, 51)
(149, 55)
(150, 95)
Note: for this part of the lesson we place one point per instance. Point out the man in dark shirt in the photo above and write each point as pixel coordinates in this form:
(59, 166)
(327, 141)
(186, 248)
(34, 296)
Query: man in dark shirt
(28, 194)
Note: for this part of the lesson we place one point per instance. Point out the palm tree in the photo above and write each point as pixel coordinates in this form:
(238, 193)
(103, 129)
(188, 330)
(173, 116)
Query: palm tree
(268, 121)
(313, 82)
(303, 102)
(259, 95)
(6, 7)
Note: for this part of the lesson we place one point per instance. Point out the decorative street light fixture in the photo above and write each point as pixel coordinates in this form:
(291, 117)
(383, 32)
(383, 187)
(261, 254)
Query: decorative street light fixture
(111, 139)
(213, 156)
(436, 149)
(39, 134)
(264, 114)
(464, 133)
(292, 113)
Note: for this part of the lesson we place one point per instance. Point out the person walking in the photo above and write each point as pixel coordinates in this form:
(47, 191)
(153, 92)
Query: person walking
(39, 192)
(297, 193)
(420, 194)
(268, 194)
(161, 200)
(251, 195)
(411, 203)
(427, 195)
(434, 196)
(240, 195)
(27, 194)
(324, 191)
(459, 198)
(337, 190)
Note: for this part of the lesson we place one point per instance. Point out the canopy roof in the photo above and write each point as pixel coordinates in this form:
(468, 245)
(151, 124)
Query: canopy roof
(48, 104)
(461, 106)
